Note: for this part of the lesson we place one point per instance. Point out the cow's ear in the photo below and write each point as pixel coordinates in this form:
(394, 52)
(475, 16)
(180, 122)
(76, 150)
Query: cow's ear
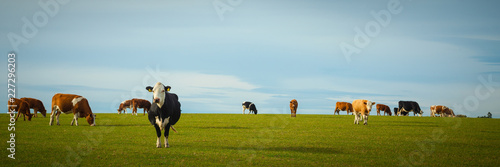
(149, 88)
(168, 88)
(373, 103)
(365, 103)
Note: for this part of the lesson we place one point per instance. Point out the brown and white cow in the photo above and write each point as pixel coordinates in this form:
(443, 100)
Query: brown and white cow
(342, 106)
(361, 109)
(385, 108)
(36, 105)
(69, 103)
(140, 103)
(19, 106)
(124, 105)
(443, 111)
(449, 113)
(293, 107)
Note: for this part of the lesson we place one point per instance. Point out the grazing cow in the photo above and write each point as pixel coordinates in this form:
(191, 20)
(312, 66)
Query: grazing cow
(140, 103)
(385, 108)
(361, 109)
(36, 105)
(250, 106)
(443, 111)
(449, 113)
(293, 107)
(124, 105)
(19, 106)
(69, 103)
(409, 106)
(342, 106)
(165, 111)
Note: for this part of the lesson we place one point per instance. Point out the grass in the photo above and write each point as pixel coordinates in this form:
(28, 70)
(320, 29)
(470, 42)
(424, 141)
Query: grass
(257, 140)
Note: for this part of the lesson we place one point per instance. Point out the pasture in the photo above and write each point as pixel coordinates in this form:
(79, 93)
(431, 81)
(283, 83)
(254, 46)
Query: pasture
(256, 140)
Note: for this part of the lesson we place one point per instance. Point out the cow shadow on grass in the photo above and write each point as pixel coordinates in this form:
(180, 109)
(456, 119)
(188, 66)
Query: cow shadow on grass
(300, 149)
(127, 125)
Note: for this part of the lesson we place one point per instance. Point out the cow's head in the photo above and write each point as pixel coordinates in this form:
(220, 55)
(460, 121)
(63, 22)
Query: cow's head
(29, 116)
(158, 93)
(369, 105)
(91, 119)
(43, 111)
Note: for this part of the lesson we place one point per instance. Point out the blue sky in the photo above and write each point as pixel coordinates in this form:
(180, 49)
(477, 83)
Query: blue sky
(432, 52)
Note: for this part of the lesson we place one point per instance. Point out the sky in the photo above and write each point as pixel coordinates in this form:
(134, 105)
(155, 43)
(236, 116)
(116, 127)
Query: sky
(217, 53)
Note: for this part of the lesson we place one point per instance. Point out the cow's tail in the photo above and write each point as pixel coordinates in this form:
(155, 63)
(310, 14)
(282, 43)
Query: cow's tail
(172, 127)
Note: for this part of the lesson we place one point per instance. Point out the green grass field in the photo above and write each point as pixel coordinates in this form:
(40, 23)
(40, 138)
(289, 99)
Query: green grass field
(256, 140)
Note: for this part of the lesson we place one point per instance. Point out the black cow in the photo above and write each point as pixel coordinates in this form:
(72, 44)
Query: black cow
(250, 106)
(409, 106)
(165, 111)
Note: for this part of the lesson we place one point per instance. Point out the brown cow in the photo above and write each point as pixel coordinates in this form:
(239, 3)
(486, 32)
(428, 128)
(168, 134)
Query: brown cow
(19, 106)
(140, 103)
(443, 111)
(362, 109)
(293, 107)
(36, 105)
(385, 108)
(124, 105)
(68, 103)
(342, 106)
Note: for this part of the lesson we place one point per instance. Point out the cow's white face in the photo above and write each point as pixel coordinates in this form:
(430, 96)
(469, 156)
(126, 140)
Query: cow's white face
(159, 94)
(369, 105)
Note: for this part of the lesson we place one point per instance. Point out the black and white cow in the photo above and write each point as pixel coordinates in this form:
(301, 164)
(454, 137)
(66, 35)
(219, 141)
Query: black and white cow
(164, 112)
(250, 106)
(409, 106)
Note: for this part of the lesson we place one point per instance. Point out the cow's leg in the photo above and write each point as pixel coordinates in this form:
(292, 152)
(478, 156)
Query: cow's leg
(57, 117)
(75, 119)
(158, 135)
(52, 117)
(243, 110)
(17, 116)
(167, 131)
(355, 118)
(144, 111)
(366, 119)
